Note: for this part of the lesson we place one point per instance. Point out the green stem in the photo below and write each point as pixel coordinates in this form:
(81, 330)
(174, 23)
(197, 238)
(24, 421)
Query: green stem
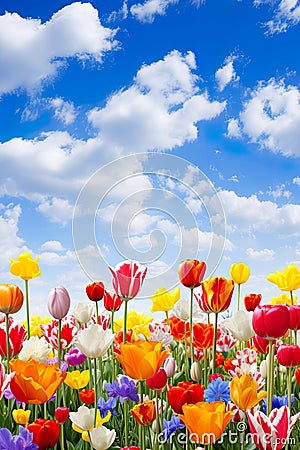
(95, 388)
(27, 308)
(97, 313)
(102, 374)
(289, 386)
(59, 343)
(126, 418)
(90, 440)
(292, 298)
(191, 326)
(167, 318)
(239, 296)
(125, 321)
(7, 342)
(295, 337)
(270, 377)
(186, 359)
(205, 368)
(215, 342)
(62, 437)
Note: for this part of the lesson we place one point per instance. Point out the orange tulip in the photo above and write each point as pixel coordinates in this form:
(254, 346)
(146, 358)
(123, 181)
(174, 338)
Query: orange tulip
(217, 293)
(206, 422)
(11, 298)
(177, 328)
(144, 413)
(203, 335)
(141, 359)
(243, 392)
(34, 382)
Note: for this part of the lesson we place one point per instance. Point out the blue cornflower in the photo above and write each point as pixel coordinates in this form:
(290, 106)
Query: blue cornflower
(124, 390)
(277, 402)
(170, 427)
(23, 441)
(105, 406)
(217, 391)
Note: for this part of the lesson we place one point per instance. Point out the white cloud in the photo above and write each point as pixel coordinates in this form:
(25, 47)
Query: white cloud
(146, 12)
(32, 51)
(52, 246)
(120, 14)
(279, 192)
(52, 258)
(226, 74)
(11, 243)
(234, 179)
(286, 14)
(233, 129)
(271, 118)
(246, 214)
(296, 181)
(260, 255)
(63, 111)
(57, 210)
(160, 110)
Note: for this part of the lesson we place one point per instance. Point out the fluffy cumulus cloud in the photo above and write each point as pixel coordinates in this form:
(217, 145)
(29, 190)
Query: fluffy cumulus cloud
(260, 255)
(11, 243)
(247, 214)
(160, 110)
(64, 111)
(271, 118)
(32, 51)
(146, 12)
(226, 74)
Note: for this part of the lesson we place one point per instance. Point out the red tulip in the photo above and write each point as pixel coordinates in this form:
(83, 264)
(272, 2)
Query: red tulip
(288, 355)
(294, 311)
(261, 344)
(177, 328)
(45, 433)
(251, 301)
(191, 273)
(59, 302)
(271, 321)
(128, 277)
(297, 375)
(87, 396)
(112, 302)
(184, 392)
(17, 335)
(158, 381)
(62, 414)
(95, 291)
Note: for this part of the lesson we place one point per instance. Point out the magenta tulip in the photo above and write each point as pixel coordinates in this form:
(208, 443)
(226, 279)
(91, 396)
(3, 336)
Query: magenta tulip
(288, 355)
(271, 321)
(59, 302)
(294, 311)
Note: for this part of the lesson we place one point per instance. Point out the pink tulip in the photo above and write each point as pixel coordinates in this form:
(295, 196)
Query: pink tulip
(59, 302)
(170, 366)
(271, 433)
(128, 277)
(271, 321)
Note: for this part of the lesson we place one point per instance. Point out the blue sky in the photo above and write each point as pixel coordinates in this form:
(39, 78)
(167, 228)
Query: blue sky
(177, 120)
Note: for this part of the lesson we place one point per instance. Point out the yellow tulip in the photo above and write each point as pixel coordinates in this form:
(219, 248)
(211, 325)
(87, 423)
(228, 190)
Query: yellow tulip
(206, 422)
(283, 299)
(35, 322)
(21, 416)
(288, 280)
(25, 267)
(164, 300)
(239, 272)
(136, 322)
(77, 379)
(141, 359)
(243, 392)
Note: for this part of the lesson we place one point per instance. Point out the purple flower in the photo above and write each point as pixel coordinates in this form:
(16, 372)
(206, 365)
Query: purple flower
(63, 365)
(170, 427)
(23, 441)
(105, 406)
(75, 357)
(124, 390)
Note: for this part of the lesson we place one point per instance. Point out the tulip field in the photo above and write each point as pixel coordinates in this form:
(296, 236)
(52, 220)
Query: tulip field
(203, 377)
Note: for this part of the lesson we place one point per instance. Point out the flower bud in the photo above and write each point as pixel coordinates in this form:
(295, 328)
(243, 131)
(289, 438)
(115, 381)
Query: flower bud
(170, 366)
(158, 381)
(59, 302)
(263, 368)
(196, 372)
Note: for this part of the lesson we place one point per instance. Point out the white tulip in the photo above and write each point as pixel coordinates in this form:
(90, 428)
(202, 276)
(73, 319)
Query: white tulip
(182, 311)
(263, 368)
(35, 348)
(102, 438)
(94, 341)
(83, 312)
(83, 418)
(240, 325)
